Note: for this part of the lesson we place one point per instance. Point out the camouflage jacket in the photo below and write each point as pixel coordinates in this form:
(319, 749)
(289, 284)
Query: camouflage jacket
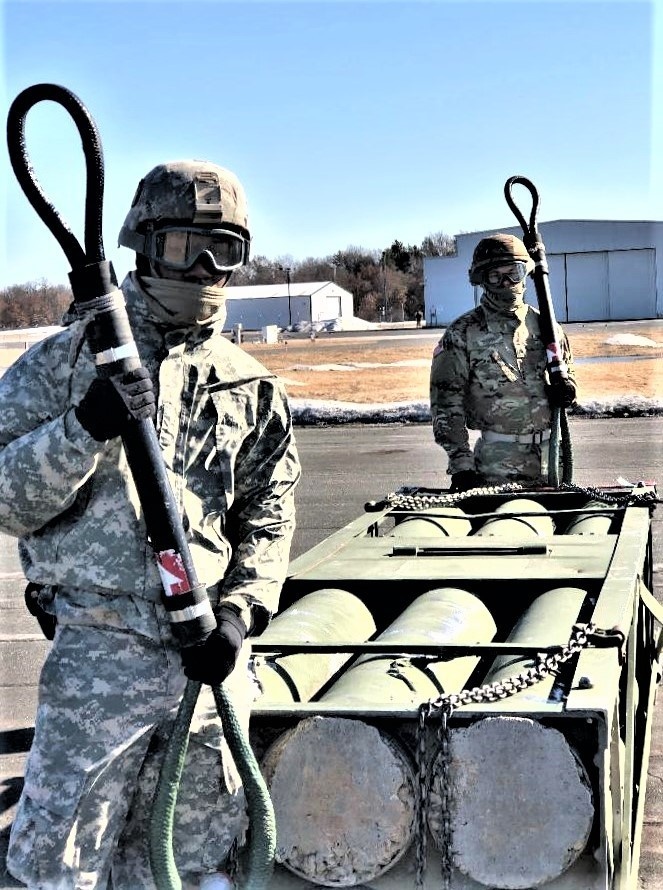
(225, 431)
(487, 373)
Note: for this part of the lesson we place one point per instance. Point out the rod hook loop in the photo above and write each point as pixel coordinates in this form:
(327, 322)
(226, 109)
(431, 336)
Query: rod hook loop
(92, 150)
(529, 229)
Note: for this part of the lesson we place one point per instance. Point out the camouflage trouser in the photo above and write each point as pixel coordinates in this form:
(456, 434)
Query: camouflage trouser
(511, 462)
(107, 699)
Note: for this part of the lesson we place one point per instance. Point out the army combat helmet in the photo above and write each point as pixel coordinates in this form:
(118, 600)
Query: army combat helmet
(183, 209)
(499, 250)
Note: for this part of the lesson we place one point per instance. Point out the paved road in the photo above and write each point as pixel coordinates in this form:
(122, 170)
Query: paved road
(343, 468)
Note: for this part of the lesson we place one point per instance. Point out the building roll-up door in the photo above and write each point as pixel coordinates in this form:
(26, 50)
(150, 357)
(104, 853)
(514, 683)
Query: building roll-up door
(587, 286)
(632, 283)
(557, 284)
(611, 285)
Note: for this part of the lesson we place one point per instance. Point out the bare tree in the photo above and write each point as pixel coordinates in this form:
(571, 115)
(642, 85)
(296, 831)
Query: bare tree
(33, 304)
(438, 244)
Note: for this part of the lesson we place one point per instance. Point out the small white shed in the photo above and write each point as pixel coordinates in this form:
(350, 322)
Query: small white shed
(255, 306)
(600, 270)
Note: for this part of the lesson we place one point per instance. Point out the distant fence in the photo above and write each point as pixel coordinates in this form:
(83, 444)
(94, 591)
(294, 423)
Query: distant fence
(25, 337)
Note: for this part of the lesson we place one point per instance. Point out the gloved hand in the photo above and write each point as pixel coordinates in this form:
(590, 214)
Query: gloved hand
(562, 393)
(111, 402)
(212, 660)
(466, 479)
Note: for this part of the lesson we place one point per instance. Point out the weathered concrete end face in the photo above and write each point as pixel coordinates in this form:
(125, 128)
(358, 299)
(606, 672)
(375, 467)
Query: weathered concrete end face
(521, 806)
(344, 798)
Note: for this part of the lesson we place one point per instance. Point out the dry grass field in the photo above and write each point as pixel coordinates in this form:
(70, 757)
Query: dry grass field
(392, 382)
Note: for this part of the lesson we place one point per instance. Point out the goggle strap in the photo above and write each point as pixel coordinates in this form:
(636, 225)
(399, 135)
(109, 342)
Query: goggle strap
(132, 240)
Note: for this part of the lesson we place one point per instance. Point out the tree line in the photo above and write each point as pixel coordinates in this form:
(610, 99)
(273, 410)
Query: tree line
(387, 285)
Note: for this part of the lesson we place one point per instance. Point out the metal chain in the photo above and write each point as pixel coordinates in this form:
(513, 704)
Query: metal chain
(421, 803)
(443, 707)
(633, 497)
(446, 839)
(417, 501)
(422, 501)
(501, 689)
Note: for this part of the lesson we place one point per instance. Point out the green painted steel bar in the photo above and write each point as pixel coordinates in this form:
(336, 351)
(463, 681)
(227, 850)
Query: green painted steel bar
(443, 615)
(324, 616)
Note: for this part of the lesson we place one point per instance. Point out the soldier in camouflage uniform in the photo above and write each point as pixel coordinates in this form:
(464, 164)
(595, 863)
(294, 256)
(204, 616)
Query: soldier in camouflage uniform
(114, 676)
(488, 374)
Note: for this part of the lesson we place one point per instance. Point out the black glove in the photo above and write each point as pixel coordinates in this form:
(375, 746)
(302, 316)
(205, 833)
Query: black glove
(466, 479)
(110, 403)
(212, 660)
(47, 621)
(561, 393)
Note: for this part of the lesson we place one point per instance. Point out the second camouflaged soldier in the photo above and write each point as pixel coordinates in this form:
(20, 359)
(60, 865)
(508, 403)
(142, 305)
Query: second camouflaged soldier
(114, 676)
(489, 373)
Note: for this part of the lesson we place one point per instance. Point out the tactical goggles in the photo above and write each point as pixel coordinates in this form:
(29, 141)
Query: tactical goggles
(512, 273)
(178, 247)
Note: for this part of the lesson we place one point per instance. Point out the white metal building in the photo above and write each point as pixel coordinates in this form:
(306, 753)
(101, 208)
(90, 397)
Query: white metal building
(600, 270)
(259, 305)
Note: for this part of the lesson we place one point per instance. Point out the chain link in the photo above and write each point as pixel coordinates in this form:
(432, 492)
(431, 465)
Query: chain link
(632, 497)
(422, 796)
(417, 501)
(443, 708)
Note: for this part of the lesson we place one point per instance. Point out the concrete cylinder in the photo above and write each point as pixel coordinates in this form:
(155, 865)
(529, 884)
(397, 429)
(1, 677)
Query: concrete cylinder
(328, 615)
(586, 524)
(549, 621)
(429, 524)
(343, 791)
(445, 615)
(518, 800)
(344, 800)
(510, 524)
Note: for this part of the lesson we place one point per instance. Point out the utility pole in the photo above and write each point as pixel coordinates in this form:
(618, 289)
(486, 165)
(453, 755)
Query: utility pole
(287, 270)
(287, 278)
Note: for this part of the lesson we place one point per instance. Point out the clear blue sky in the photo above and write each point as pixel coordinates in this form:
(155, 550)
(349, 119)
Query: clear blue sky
(348, 123)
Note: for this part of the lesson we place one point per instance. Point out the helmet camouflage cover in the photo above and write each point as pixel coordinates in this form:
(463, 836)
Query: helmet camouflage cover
(195, 193)
(498, 250)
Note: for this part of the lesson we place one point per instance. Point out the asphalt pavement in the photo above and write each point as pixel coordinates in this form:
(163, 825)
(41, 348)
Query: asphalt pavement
(343, 467)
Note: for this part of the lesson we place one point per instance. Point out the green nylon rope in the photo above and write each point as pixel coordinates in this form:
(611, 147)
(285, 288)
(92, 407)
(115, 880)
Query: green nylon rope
(560, 438)
(262, 845)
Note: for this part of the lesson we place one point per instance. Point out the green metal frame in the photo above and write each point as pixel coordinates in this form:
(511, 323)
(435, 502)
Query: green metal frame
(610, 691)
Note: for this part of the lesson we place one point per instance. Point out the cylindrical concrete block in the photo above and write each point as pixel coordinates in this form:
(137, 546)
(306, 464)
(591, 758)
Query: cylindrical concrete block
(547, 621)
(344, 800)
(429, 524)
(519, 802)
(510, 524)
(445, 615)
(586, 524)
(329, 615)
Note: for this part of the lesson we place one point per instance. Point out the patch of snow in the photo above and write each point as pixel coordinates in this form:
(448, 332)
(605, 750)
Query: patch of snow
(632, 340)
(308, 412)
(362, 366)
